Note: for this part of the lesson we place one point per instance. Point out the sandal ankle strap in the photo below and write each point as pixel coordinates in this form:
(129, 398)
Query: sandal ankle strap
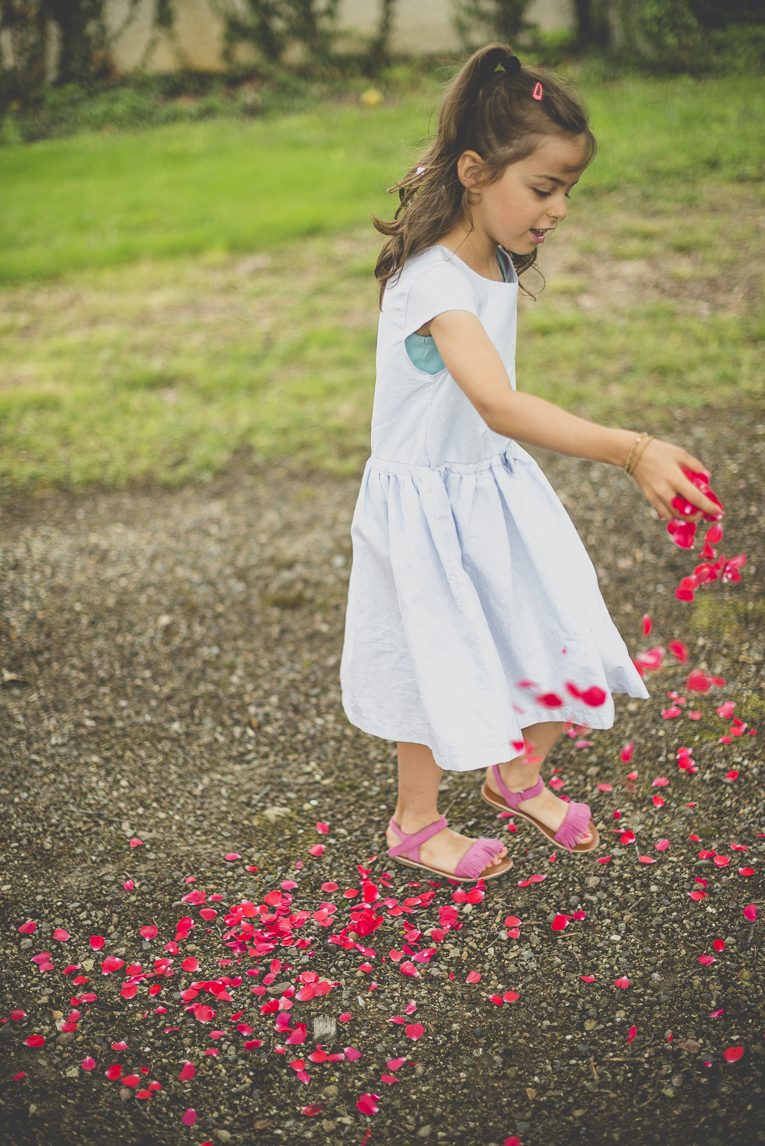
(513, 799)
(410, 843)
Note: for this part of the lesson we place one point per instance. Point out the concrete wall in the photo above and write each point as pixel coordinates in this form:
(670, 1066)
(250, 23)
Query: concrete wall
(419, 26)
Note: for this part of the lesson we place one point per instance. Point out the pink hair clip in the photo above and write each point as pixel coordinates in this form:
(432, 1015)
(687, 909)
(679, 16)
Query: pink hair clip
(538, 92)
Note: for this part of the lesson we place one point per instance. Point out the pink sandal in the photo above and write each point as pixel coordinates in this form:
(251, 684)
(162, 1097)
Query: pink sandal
(472, 865)
(577, 819)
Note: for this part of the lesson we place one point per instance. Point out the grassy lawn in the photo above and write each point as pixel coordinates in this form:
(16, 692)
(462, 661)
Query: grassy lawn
(174, 296)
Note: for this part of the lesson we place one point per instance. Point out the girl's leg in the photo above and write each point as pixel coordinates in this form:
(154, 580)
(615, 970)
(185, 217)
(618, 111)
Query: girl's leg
(417, 807)
(519, 773)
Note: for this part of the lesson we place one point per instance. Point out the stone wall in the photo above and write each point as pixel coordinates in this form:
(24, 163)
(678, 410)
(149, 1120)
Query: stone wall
(419, 26)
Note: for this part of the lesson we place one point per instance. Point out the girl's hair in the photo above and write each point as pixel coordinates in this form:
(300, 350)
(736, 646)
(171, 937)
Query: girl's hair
(495, 114)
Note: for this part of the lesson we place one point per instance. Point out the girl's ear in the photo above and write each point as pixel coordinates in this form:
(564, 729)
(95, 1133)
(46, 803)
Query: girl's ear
(470, 169)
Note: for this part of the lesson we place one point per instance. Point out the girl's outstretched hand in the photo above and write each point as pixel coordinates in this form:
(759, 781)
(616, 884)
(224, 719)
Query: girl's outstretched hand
(659, 477)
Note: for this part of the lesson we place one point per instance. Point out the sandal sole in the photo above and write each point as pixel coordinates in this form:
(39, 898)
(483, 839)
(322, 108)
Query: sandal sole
(451, 875)
(497, 802)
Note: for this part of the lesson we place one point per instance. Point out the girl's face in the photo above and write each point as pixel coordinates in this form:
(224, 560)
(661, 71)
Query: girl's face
(521, 208)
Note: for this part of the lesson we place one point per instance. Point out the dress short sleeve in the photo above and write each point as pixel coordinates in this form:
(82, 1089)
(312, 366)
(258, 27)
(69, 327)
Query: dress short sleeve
(437, 289)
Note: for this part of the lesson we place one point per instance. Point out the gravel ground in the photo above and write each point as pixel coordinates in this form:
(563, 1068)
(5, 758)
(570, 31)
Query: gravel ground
(170, 698)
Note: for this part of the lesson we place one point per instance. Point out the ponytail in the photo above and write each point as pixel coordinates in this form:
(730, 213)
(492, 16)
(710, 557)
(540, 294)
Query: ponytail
(492, 107)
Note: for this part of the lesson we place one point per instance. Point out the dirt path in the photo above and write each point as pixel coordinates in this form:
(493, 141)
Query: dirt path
(170, 676)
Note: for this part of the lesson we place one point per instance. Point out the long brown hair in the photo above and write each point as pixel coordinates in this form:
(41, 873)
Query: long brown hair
(493, 113)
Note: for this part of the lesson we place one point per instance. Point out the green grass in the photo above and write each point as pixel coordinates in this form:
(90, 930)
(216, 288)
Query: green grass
(141, 337)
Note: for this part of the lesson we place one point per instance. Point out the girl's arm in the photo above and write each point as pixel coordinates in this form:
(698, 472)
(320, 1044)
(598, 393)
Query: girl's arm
(475, 365)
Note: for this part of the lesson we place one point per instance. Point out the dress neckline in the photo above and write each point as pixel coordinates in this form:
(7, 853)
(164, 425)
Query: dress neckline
(505, 282)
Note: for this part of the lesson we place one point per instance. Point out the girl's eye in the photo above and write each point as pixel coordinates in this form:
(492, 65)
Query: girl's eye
(542, 194)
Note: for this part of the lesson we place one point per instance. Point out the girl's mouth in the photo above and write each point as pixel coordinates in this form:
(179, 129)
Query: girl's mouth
(538, 236)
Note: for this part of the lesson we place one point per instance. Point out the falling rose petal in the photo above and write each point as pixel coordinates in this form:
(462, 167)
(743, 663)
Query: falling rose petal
(189, 1117)
(662, 845)
(414, 1031)
(322, 828)
(679, 651)
(627, 752)
(135, 842)
(472, 977)
(88, 1063)
(623, 982)
(97, 942)
(732, 775)
(605, 787)
(513, 1140)
(719, 944)
(128, 885)
(647, 625)
(733, 1054)
(367, 1104)
(34, 1041)
(230, 857)
(750, 912)
(631, 1034)
(660, 782)
(658, 801)
(706, 960)
(19, 1075)
(716, 1014)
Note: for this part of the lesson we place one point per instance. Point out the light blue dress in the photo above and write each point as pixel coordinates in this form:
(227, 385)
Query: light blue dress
(468, 575)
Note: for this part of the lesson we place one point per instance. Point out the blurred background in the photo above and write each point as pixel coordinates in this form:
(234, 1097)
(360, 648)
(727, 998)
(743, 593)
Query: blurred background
(186, 257)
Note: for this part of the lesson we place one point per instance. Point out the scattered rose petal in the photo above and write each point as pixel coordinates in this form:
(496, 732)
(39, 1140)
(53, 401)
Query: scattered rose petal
(113, 1072)
(587, 978)
(750, 912)
(189, 1117)
(472, 977)
(229, 857)
(414, 1031)
(311, 1110)
(34, 1041)
(623, 982)
(733, 1054)
(646, 859)
(661, 845)
(559, 923)
(631, 1034)
(706, 960)
(97, 942)
(19, 1075)
(188, 1070)
(367, 1104)
(88, 1063)
(719, 944)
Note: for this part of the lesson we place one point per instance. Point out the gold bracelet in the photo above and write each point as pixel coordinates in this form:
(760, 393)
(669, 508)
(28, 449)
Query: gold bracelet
(638, 439)
(641, 450)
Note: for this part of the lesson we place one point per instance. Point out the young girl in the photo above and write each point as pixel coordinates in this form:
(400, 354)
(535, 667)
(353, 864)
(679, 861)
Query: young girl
(472, 598)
